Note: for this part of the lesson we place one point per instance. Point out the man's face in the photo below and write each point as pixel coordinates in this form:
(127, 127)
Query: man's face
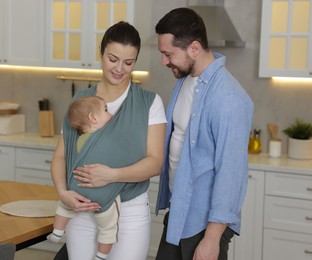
(175, 58)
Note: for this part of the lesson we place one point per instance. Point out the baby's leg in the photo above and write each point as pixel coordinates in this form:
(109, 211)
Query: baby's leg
(63, 215)
(59, 225)
(107, 223)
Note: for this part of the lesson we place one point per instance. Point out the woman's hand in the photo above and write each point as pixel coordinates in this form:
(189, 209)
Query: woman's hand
(94, 175)
(77, 202)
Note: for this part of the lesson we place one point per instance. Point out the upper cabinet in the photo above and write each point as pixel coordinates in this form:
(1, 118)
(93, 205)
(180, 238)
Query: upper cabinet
(74, 30)
(22, 32)
(286, 38)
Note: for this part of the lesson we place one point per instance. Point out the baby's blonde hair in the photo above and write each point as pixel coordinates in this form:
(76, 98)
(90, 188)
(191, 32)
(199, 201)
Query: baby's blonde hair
(79, 110)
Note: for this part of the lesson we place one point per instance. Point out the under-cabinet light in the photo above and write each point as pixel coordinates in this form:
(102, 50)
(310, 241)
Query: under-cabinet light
(292, 79)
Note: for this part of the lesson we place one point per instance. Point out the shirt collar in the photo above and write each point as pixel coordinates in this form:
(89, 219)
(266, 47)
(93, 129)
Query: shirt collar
(210, 70)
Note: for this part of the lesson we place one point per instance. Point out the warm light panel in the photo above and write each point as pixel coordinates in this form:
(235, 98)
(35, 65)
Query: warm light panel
(279, 17)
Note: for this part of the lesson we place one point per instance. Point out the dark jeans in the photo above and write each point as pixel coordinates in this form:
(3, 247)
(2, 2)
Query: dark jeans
(187, 246)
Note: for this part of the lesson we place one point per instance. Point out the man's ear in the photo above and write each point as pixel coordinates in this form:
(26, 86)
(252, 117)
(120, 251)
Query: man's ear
(194, 48)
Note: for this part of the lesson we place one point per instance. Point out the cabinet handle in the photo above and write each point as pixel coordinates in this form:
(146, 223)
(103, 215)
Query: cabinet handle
(309, 189)
(48, 161)
(308, 218)
(307, 251)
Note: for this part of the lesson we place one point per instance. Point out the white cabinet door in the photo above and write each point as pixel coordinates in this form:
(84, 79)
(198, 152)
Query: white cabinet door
(33, 165)
(22, 32)
(156, 221)
(75, 28)
(3, 30)
(282, 245)
(286, 38)
(7, 162)
(248, 246)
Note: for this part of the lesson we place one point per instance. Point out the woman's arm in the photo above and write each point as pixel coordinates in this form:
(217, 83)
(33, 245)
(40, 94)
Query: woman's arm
(96, 175)
(58, 172)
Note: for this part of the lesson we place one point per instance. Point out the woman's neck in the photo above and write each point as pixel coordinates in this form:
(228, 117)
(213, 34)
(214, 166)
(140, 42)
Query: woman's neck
(111, 92)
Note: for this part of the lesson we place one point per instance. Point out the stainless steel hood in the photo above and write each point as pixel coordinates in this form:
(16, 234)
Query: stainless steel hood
(220, 30)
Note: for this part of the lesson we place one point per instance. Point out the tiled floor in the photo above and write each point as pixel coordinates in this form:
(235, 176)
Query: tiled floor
(33, 254)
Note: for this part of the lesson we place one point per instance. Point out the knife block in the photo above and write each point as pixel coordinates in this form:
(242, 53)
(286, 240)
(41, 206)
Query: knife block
(46, 123)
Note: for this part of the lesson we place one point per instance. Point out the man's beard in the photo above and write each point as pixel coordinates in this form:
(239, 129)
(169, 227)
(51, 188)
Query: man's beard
(180, 73)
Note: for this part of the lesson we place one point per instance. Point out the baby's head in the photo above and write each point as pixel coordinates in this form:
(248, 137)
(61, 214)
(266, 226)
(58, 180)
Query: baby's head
(88, 114)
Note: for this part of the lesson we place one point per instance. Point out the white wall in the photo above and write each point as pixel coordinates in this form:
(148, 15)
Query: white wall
(274, 102)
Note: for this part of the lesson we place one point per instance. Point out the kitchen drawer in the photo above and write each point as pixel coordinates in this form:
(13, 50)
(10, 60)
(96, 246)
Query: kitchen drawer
(33, 176)
(289, 185)
(281, 245)
(288, 214)
(34, 159)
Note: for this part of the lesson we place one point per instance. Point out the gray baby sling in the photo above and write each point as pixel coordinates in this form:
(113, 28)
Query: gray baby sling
(120, 143)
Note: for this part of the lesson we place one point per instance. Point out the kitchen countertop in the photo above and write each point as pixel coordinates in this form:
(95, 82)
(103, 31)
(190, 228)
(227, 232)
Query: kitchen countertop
(260, 161)
(264, 162)
(29, 140)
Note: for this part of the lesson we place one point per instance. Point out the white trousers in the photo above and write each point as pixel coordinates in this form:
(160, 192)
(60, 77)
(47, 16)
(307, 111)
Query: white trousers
(133, 233)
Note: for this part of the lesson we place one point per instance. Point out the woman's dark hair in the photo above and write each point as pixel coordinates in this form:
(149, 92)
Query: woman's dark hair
(123, 33)
(185, 25)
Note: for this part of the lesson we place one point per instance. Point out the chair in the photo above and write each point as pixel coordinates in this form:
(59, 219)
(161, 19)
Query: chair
(7, 251)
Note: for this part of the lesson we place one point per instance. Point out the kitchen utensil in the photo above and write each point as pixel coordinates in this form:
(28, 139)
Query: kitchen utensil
(273, 129)
(44, 104)
(73, 88)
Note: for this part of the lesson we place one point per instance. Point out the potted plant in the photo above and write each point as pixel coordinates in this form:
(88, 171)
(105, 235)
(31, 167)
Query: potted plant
(299, 140)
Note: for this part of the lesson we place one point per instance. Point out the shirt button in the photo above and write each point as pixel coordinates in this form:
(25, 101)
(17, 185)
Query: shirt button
(196, 90)
(193, 115)
(193, 141)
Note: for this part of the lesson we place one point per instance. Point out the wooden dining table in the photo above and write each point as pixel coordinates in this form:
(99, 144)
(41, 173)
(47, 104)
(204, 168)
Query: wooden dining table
(24, 231)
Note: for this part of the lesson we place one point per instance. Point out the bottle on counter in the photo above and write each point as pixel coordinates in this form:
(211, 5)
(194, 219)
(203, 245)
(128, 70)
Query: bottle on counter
(254, 145)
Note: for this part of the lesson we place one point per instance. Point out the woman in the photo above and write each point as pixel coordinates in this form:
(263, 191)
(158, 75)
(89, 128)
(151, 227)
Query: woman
(119, 51)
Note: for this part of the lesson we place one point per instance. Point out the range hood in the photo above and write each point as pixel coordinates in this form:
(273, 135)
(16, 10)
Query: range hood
(220, 29)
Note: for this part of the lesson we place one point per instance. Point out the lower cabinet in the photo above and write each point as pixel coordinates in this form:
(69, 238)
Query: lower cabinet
(7, 162)
(285, 245)
(33, 165)
(287, 216)
(247, 246)
(156, 221)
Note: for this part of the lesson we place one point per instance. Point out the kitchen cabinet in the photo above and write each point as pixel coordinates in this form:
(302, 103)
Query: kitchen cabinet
(247, 246)
(75, 28)
(22, 32)
(156, 221)
(7, 162)
(286, 38)
(33, 165)
(287, 216)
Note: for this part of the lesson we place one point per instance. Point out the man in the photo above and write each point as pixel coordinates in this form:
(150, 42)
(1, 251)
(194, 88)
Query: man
(205, 173)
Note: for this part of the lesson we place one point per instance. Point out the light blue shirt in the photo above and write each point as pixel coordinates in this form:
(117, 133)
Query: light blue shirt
(211, 178)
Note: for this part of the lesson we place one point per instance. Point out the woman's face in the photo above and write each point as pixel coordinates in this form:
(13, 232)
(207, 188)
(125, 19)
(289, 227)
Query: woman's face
(117, 62)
